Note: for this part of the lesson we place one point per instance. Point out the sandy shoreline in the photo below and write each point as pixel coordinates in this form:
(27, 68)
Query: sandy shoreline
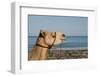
(81, 48)
(66, 53)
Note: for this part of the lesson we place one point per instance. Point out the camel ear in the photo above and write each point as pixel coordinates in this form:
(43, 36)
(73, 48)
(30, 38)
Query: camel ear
(42, 33)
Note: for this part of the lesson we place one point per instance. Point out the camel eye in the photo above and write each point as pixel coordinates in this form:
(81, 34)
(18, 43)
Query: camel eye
(53, 36)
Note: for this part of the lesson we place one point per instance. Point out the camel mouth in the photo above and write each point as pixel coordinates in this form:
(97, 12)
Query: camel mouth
(63, 40)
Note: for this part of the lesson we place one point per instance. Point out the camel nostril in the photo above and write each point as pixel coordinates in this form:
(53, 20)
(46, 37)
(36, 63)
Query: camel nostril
(63, 35)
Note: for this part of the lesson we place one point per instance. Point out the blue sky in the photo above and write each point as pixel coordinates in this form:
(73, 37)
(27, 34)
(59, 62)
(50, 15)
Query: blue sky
(70, 25)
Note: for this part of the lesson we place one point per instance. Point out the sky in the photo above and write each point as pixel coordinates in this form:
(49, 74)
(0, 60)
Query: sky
(70, 25)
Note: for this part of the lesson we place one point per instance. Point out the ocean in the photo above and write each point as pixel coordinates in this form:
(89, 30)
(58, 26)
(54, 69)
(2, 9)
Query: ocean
(70, 42)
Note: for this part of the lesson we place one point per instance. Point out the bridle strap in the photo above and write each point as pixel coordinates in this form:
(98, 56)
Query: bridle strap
(41, 46)
(53, 41)
(49, 46)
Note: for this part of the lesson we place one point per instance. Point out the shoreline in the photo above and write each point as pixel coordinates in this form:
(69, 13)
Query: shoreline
(80, 48)
(66, 53)
(67, 49)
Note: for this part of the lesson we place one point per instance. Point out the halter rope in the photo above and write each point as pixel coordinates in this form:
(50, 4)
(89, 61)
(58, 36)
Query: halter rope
(49, 46)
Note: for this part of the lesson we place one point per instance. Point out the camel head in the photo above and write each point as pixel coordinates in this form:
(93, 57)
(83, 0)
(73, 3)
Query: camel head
(50, 38)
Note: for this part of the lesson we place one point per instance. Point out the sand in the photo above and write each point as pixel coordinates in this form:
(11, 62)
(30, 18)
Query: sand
(66, 53)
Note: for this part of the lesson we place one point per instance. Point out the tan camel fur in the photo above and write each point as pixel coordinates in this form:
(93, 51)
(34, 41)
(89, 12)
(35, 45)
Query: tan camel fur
(44, 42)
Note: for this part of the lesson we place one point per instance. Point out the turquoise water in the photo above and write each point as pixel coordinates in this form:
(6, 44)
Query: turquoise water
(70, 42)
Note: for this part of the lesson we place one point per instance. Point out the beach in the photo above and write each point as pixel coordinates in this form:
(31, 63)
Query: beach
(66, 53)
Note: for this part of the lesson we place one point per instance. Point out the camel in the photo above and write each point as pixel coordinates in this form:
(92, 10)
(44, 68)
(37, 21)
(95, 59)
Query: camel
(44, 42)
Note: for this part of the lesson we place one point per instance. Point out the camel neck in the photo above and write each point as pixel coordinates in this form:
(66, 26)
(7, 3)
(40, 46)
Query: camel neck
(42, 53)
